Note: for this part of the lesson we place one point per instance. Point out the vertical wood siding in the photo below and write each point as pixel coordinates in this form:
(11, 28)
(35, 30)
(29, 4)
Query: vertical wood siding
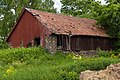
(90, 43)
(81, 43)
(26, 30)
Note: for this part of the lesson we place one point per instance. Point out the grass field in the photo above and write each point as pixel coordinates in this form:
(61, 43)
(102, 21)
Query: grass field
(39, 64)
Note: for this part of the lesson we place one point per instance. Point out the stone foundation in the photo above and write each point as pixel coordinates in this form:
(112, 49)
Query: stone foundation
(51, 43)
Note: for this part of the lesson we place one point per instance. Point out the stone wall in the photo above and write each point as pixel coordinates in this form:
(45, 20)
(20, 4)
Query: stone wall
(51, 43)
(112, 72)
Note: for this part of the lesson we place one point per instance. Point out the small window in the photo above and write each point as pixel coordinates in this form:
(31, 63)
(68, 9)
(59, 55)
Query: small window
(36, 41)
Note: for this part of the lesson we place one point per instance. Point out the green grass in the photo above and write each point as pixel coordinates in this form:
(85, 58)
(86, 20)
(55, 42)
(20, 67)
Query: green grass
(39, 64)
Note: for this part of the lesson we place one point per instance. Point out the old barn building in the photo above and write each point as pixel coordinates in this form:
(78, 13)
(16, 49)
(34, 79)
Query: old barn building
(56, 31)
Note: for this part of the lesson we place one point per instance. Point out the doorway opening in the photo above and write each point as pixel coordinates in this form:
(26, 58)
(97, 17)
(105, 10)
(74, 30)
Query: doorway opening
(37, 41)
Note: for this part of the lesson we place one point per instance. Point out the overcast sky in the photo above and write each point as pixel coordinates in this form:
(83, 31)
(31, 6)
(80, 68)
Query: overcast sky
(58, 4)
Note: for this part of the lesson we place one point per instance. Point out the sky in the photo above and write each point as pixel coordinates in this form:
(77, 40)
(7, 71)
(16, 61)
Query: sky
(58, 4)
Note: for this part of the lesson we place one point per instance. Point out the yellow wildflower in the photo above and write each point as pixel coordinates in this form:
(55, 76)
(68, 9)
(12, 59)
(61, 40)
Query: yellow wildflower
(11, 71)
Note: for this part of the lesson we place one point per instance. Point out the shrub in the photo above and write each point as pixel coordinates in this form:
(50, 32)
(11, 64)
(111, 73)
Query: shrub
(109, 54)
(38, 64)
(21, 54)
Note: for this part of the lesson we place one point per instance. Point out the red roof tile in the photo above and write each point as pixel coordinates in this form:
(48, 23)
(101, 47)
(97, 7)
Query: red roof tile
(61, 24)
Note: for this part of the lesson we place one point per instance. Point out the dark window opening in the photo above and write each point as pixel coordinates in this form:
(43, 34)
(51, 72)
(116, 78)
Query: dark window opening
(36, 41)
(63, 42)
(59, 41)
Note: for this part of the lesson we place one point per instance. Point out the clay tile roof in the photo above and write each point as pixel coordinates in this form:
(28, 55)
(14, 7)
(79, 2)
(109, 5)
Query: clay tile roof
(61, 24)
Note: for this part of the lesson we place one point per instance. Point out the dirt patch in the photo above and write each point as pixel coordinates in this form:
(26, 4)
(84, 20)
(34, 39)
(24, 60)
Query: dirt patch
(112, 72)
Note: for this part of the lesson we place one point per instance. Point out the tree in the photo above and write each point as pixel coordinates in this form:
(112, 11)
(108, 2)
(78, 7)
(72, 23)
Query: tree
(110, 19)
(81, 8)
(113, 1)
(10, 10)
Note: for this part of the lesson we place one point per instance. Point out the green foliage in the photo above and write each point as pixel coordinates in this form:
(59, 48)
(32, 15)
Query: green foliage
(108, 54)
(21, 54)
(113, 1)
(81, 8)
(38, 64)
(3, 45)
(109, 19)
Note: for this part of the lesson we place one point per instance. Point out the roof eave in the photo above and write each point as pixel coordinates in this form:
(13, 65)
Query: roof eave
(107, 36)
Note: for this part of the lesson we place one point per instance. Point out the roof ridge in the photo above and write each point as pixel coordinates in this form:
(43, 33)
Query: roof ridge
(29, 9)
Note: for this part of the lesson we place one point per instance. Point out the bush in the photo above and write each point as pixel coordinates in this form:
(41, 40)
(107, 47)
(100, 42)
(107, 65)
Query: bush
(38, 64)
(21, 54)
(109, 54)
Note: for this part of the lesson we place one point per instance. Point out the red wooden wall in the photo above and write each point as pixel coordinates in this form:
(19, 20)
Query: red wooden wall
(27, 28)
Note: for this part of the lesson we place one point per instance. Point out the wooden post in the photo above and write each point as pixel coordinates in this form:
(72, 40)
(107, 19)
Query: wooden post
(69, 36)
